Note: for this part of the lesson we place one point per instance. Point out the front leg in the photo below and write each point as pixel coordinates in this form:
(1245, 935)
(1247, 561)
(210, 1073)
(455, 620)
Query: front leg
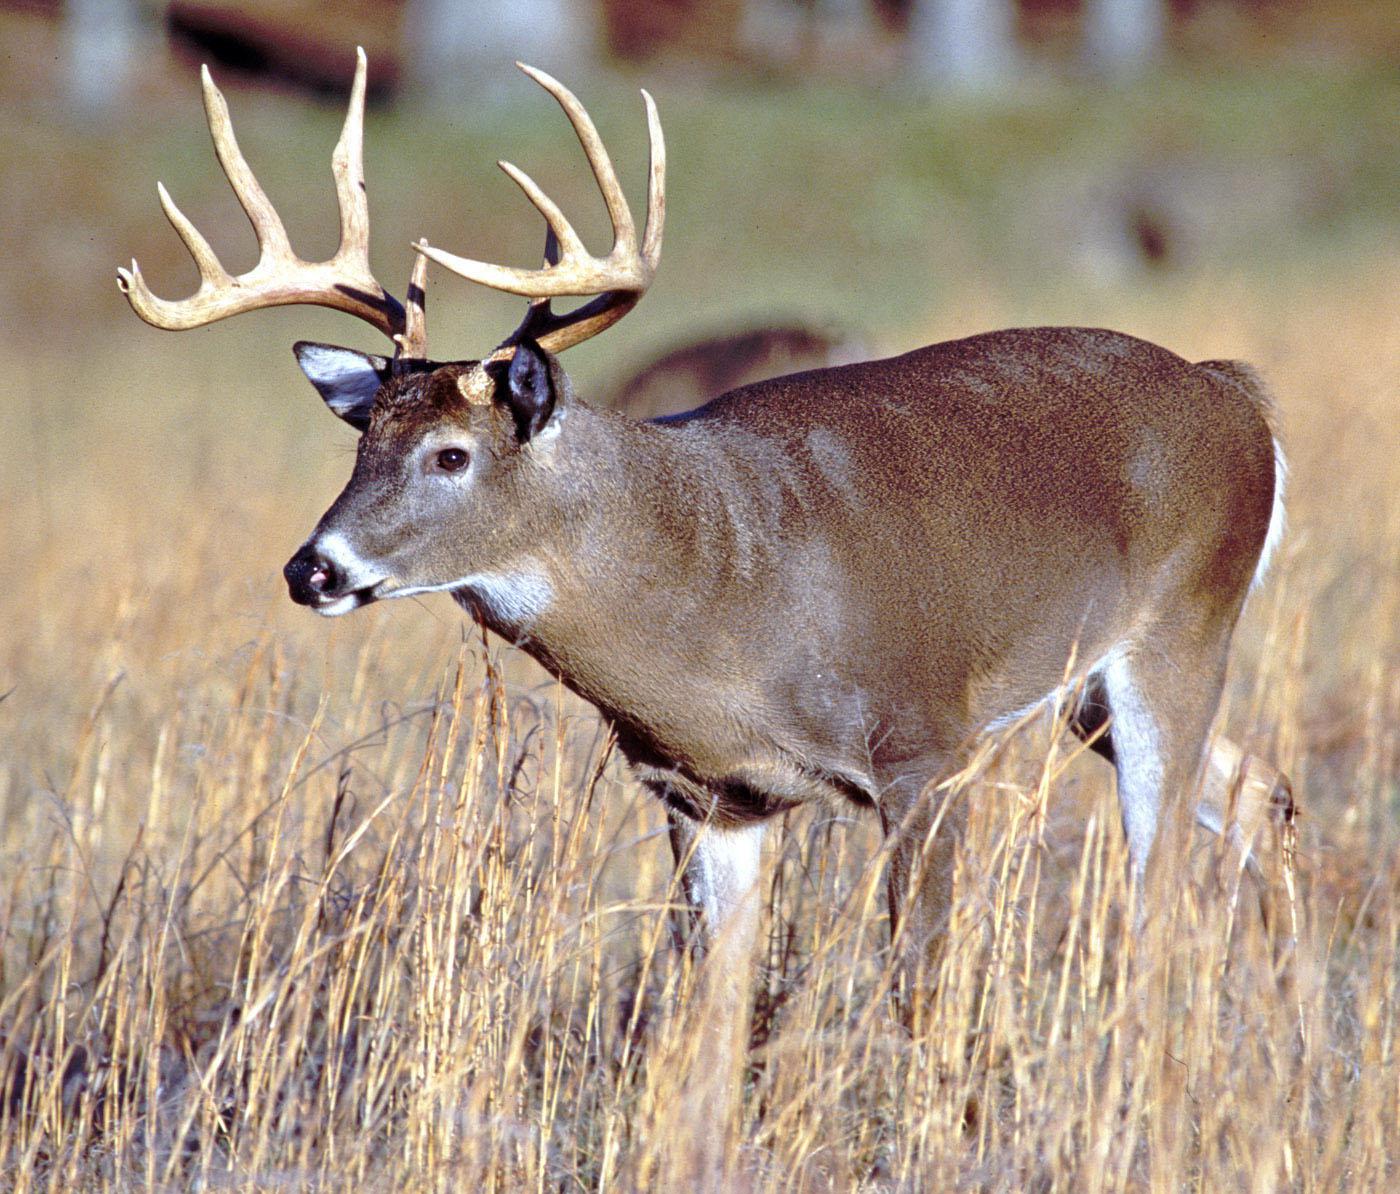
(719, 871)
(923, 829)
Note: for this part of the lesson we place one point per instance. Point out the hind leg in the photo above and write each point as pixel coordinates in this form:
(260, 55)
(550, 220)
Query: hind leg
(1257, 793)
(1164, 696)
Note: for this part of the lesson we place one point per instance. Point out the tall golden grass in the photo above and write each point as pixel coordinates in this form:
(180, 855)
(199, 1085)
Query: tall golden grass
(294, 904)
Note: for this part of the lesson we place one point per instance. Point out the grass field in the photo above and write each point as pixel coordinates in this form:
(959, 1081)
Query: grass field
(295, 904)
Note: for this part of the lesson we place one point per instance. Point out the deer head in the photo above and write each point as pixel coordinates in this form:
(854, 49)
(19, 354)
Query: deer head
(465, 444)
(468, 447)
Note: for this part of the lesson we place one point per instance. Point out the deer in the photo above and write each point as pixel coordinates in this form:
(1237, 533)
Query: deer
(818, 589)
(699, 369)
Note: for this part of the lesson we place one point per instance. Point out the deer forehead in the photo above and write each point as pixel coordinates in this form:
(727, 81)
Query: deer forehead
(413, 406)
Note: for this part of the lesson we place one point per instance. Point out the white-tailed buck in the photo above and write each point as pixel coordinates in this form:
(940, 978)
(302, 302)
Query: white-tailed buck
(816, 588)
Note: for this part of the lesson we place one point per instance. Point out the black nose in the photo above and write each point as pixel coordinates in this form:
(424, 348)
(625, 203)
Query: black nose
(310, 577)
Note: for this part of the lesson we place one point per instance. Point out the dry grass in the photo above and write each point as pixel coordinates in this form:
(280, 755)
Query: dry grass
(290, 903)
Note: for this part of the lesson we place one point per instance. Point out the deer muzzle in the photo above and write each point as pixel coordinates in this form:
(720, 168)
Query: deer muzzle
(329, 575)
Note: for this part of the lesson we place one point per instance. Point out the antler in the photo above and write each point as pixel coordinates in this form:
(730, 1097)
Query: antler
(619, 279)
(344, 282)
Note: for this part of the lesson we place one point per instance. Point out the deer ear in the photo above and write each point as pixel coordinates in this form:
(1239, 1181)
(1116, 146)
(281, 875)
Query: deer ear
(346, 379)
(536, 388)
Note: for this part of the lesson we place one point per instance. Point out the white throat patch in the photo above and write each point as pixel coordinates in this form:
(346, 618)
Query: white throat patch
(515, 598)
(512, 598)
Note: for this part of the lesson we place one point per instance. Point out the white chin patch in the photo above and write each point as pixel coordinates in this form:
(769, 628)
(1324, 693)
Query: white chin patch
(342, 605)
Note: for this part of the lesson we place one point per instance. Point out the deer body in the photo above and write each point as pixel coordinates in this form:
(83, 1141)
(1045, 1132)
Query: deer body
(815, 588)
(818, 587)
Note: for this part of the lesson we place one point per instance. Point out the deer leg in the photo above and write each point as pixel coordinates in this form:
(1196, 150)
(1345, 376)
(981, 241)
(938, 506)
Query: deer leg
(719, 871)
(1259, 793)
(1163, 701)
(924, 829)
(1242, 796)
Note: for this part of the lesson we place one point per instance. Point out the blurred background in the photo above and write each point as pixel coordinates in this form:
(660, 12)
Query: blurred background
(851, 164)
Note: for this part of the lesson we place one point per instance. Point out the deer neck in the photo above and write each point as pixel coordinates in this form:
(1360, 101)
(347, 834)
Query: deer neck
(645, 529)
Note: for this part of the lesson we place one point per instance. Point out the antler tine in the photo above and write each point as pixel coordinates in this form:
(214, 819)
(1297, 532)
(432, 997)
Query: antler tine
(348, 167)
(618, 279)
(344, 282)
(567, 239)
(656, 185)
(412, 342)
(624, 231)
(267, 224)
(211, 269)
(539, 315)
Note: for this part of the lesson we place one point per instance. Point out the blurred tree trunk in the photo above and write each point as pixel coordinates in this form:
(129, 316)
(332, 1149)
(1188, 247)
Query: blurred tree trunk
(1123, 36)
(462, 47)
(309, 43)
(963, 43)
(639, 29)
(892, 15)
(102, 41)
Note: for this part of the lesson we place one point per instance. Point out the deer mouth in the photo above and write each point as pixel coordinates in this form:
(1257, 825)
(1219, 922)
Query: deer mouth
(333, 606)
(332, 580)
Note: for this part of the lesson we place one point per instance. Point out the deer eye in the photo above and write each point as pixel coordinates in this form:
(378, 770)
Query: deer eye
(452, 460)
